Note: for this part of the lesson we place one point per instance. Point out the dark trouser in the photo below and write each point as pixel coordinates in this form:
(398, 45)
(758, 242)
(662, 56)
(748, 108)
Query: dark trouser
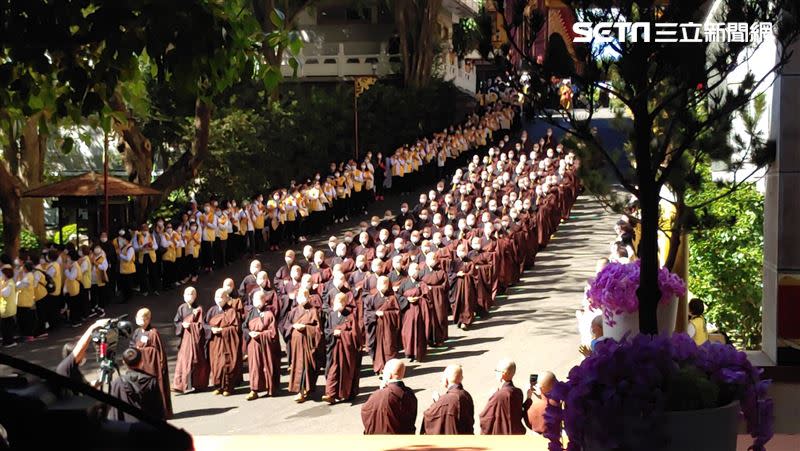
(207, 254)
(290, 230)
(27, 322)
(53, 304)
(221, 252)
(251, 243)
(100, 295)
(148, 275)
(275, 235)
(126, 282)
(9, 328)
(170, 276)
(191, 265)
(74, 306)
(234, 249)
(259, 242)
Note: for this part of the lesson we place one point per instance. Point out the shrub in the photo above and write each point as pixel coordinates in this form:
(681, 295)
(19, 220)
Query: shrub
(726, 260)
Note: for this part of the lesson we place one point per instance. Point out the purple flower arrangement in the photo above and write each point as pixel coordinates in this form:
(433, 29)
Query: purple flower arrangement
(614, 289)
(617, 397)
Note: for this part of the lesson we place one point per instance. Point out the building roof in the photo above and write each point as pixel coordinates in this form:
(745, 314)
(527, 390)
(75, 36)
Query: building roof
(90, 185)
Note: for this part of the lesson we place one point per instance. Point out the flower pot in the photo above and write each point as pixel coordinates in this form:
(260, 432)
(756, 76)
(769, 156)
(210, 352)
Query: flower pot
(667, 315)
(708, 430)
(623, 324)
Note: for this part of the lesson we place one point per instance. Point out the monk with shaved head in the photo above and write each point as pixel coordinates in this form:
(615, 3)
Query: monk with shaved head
(191, 367)
(392, 409)
(225, 344)
(154, 357)
(453, 411)
(503, 413)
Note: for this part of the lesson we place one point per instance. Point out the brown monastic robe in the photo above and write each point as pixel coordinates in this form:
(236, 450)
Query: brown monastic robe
(463, 296)
(453, 413)
(390, 410)
(154, 362)
(503, 413)
(305, 347)
(263, 351)
(191, 367)
(435, 286)
(224, 348)
(344, 356)
(383, 332)
(416, 320)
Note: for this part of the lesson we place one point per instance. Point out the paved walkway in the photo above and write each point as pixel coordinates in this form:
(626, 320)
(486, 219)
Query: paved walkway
(534, 325)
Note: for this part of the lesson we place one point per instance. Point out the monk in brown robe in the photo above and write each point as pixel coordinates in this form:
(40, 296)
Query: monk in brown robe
(392, 409)
(452, 412)
(435, 287)
(343, 353)
(305, 343)
(382, 323)
(535, 408)
(416, 315)
(154, 357)
(463, 296)
(191, 367)
(503, 413)
(263, 348)
(223, 330)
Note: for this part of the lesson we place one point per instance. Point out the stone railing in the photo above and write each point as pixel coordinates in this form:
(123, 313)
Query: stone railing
(334, 61)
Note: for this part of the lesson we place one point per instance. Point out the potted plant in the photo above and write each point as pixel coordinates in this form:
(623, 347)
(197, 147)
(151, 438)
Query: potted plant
(614, 292)
(659, 393)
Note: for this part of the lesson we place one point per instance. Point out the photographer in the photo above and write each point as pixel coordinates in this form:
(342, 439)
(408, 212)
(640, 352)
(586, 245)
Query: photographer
(74, 354)
(136, 388)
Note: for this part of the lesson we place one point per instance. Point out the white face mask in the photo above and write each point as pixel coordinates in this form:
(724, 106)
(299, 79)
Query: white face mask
(188, 298)
(140, 322)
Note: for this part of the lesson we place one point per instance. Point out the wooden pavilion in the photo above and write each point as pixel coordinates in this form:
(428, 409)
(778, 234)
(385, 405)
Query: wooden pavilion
(80, 200)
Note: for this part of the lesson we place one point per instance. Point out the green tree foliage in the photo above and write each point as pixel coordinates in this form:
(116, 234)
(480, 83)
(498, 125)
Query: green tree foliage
(680, 104)
(726, 258)
(257, 145)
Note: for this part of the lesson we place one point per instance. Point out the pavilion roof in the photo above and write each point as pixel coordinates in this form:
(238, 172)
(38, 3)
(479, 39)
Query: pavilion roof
(90, 184)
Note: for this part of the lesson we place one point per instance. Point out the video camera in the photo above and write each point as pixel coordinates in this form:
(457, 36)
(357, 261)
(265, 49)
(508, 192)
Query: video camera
(106, 340)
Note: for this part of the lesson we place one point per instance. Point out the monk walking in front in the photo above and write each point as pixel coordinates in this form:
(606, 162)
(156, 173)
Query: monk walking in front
(224, 345)
(191, 368)
(263, 347)
(154, 357)
(306, 339)
(392, 409)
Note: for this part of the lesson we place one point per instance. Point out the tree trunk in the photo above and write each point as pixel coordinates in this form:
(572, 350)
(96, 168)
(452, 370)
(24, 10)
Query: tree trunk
(138, 150)
(186, 167)
(648, 292)
(417, 28)
(9, 203)
(31, 174)
(649, 197)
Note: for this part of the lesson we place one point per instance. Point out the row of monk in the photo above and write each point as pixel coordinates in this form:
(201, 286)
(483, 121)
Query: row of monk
(381, 295)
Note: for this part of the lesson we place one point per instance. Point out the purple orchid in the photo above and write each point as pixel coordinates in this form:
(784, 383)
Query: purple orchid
(616, 396)
(614, 289)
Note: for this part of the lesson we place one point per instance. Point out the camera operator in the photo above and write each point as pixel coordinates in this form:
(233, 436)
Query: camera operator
(136, 388)
(74, 354)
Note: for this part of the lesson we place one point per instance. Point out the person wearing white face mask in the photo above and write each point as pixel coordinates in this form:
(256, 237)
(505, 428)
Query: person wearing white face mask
(462, 298)
(382, 320)
(154, 356)
(224, 323)
(191, 366)
(306, 339)
(263, 348)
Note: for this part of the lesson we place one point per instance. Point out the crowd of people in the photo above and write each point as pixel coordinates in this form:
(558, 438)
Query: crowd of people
(74, 282)
(392, 289)
(388, 294)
